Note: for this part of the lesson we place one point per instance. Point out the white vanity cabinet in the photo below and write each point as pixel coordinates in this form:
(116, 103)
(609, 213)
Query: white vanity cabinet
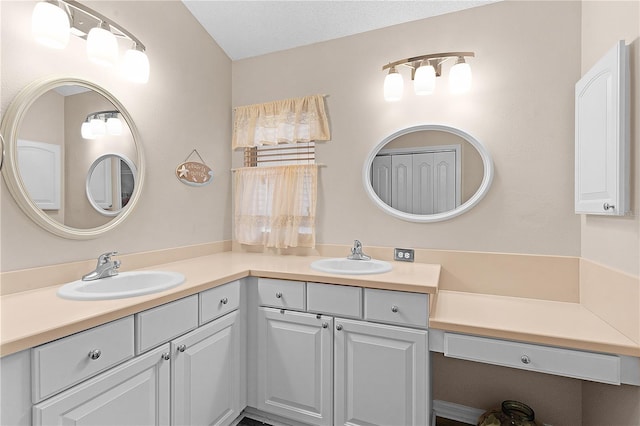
(205, 374)
(331, 367)
(134, 393)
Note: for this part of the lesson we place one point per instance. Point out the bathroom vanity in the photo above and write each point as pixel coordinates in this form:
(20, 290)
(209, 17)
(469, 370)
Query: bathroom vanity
(270, 333)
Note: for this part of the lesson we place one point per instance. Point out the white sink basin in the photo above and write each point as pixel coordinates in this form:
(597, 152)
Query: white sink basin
(344, 266)
(125, 284)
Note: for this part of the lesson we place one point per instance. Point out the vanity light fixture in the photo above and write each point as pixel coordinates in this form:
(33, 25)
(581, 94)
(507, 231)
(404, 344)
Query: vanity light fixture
(101, 123)
(424, 70)
(52, 21)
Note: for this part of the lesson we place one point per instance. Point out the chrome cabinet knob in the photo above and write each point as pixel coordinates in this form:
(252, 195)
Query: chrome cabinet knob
(166, 356)
(339, 327)
(394, 309)
(325, 324)
(182, 348)
(224, 300)
(525, 359)
(608, 206)
(279, 295)
(95, 353)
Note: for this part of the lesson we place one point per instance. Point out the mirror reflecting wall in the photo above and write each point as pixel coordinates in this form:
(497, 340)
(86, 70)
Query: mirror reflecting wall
(428, 173)
(58, 132)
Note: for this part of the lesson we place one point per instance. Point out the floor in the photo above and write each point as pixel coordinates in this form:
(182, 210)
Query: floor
(246, 421)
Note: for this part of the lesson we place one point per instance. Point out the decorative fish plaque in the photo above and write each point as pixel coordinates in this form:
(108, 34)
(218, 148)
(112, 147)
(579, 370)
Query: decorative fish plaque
(194, 173)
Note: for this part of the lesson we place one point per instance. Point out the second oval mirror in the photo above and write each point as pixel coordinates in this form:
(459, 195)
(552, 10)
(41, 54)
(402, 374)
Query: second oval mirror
(428, 173)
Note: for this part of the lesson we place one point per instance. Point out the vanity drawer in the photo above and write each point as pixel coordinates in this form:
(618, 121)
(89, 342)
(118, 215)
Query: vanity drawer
(219, 301)
(331, 299)
(62, 363)
(544, 359)
(281, 293)
(396, 307)
(161, 324)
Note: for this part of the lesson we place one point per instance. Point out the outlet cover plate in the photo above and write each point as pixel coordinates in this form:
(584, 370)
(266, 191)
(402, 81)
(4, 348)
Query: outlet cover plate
(403, 255)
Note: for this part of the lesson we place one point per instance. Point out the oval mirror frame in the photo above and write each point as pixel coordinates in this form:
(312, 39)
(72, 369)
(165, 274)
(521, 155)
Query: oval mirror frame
(10, 127)
(436, 217)
(120, 157)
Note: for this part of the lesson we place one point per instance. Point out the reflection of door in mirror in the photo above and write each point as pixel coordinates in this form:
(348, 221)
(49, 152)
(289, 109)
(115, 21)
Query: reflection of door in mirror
(418, 180)
(39, 164)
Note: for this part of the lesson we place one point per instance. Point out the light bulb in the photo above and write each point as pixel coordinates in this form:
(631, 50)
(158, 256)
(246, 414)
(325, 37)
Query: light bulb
(86, 132)
(393, 86)
(135, 66)
(98, 128)
(460, 77)
(424, 81)
(114, 126)
(50, 25)
(102, 47)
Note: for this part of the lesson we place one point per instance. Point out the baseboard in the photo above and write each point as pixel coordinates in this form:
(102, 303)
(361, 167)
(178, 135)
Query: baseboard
(457, 412)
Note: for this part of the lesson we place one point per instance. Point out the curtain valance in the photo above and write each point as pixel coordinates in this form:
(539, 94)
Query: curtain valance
(285, 121)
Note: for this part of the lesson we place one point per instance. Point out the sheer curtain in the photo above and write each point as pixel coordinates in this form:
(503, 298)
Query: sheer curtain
(285, 121)
(276, 206)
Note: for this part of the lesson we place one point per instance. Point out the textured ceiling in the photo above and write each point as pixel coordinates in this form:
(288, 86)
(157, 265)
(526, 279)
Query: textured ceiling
(245, 29)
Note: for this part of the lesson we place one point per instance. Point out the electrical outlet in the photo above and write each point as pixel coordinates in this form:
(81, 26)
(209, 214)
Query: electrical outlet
(404, 255)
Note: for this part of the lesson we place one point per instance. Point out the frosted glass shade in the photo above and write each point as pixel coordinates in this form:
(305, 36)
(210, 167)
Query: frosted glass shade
(424, 81)
(50, 25)
(86, 132)
(135, 66)
(98, 127)
(393, 86)
(102, 47)
(460, 78)
(114, 126)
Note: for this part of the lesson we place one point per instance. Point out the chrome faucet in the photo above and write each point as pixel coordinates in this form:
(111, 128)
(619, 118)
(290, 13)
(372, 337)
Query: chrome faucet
(105, 267)
(356, 252)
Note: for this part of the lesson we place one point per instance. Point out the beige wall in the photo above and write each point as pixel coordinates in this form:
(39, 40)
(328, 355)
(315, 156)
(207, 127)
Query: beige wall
(184, 106)
(521, 107)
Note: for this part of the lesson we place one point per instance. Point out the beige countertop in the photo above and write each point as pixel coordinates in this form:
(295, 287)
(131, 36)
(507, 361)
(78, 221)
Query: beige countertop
(33, 317)
(529, 320)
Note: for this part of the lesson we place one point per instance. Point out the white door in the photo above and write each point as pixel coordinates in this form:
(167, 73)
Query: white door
(602, 136)
(402, 182)
(40, 166)
(132, 394)
(206, 374)
(295, 365)
(423, 183)
(381, 177)
(444, 181)
(100, 185)
(381, 375)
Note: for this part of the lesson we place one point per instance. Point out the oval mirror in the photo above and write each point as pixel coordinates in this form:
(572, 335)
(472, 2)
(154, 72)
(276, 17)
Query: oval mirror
(110, 182)
(57, 132)
(427, 173)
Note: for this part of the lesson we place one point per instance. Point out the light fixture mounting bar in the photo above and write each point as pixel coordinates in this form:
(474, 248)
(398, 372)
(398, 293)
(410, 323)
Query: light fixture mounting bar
(99, 113)
(416, 59)
(101, 18)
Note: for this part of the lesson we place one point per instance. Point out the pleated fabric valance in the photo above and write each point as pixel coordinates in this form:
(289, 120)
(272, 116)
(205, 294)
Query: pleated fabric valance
(285, 121)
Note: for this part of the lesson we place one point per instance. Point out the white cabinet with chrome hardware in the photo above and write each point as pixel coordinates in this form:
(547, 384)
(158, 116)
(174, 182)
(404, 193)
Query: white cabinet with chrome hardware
(134, 393)
(205, 374)
(324, 369)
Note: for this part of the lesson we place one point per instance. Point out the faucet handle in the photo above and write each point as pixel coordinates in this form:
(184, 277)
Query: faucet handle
(105, 257)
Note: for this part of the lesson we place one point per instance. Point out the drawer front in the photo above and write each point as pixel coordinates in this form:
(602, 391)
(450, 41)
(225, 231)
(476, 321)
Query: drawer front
(62, 363)
(163, 323)
(281, 293)
(559, 361)
(219, 301)
(396, 307)
(337, 300)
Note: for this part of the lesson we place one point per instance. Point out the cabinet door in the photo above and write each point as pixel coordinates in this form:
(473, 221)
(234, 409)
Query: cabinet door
(295, 365)
(206, 374)
(135, 393)
(381, 375)
(602, 136)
